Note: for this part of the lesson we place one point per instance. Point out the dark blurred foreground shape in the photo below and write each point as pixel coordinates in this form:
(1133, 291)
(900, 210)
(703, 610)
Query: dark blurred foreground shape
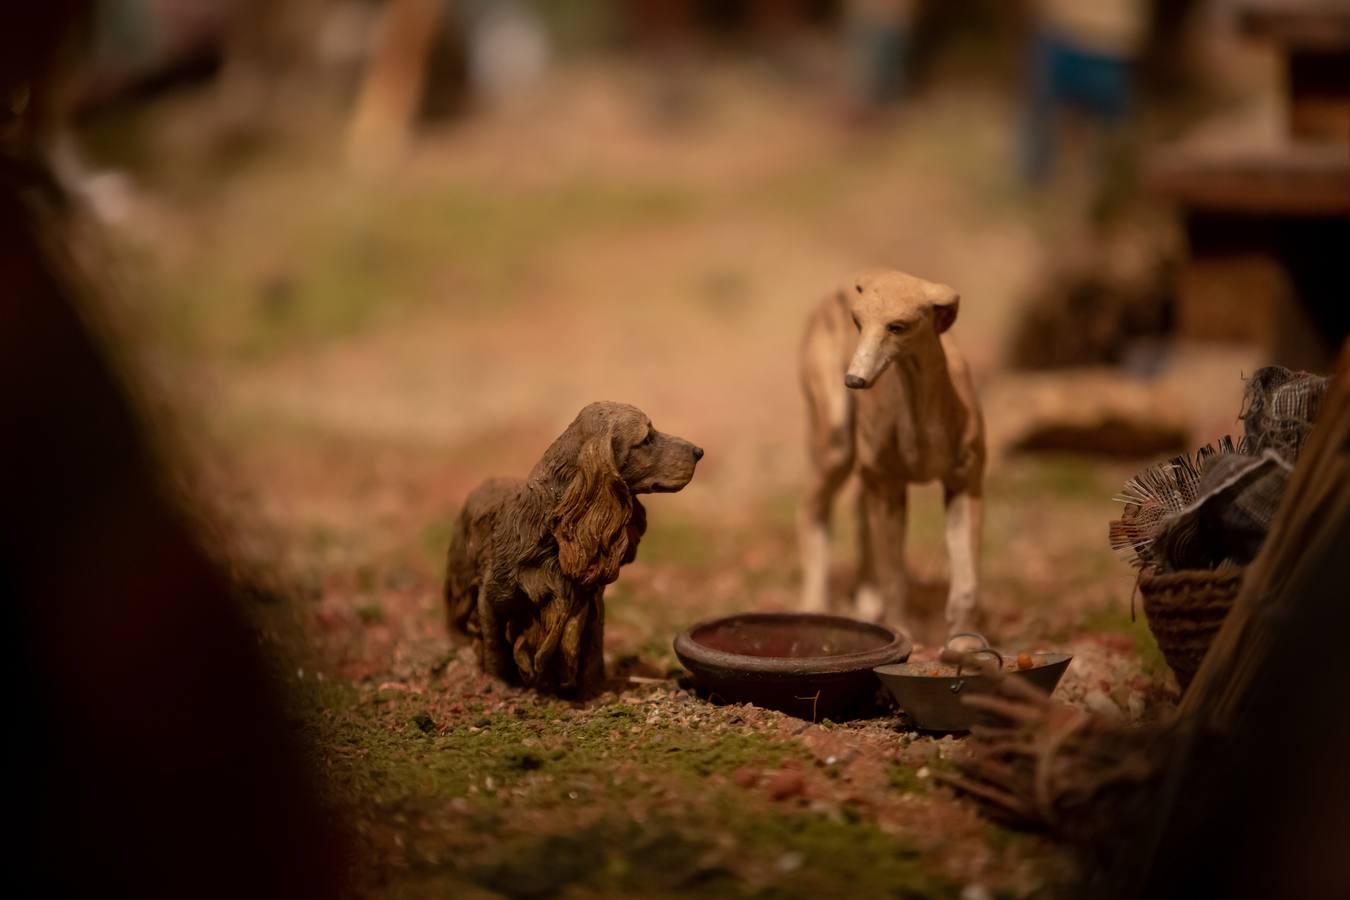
(151, 752)
(1245, 793)
(1260, 805)
(1255, 799)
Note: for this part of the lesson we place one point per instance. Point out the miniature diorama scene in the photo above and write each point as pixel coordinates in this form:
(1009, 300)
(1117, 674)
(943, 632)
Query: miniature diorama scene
(658, 448)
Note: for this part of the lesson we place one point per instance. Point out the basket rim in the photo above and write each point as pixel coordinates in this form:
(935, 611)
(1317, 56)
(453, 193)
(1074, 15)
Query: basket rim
(1153, 577)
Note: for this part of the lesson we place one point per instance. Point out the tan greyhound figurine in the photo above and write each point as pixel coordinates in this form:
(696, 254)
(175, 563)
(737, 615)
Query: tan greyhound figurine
(889, 394)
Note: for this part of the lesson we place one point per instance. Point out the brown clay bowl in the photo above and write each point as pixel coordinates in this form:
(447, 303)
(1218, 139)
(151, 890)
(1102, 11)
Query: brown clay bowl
(807, 665)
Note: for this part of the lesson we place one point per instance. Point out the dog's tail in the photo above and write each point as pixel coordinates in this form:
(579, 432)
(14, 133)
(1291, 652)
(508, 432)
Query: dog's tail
(461, 580)
(464, 557)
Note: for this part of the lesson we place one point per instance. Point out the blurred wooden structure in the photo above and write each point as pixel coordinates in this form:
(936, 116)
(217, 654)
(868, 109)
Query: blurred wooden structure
(1314, 39)
(1266, 220)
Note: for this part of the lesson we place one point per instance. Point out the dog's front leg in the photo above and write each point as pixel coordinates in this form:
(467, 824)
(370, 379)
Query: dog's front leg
(583, 647)
(559, 616)
(965, 514)
(593, 652)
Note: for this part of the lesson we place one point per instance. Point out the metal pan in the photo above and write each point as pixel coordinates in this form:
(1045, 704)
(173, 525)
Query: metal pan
(933, 702)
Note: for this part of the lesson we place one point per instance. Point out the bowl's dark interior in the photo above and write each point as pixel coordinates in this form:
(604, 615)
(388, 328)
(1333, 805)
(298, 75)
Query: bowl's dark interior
(793, 638)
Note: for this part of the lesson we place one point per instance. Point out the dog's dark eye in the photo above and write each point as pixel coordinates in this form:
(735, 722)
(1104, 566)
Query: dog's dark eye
(857, 324)
(858, 288)
(898, 327)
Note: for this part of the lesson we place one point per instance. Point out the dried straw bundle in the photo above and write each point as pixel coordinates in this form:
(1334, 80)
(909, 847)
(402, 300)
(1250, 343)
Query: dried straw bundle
(1198, 510)
(1154, 496)
(1279, 408)
(1050, 766)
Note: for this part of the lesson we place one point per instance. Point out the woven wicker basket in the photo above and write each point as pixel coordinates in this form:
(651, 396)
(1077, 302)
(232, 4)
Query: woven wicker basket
(1185, 610)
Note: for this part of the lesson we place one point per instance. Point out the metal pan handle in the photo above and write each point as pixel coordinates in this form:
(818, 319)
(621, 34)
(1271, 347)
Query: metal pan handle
(951, 656)
(984, 642)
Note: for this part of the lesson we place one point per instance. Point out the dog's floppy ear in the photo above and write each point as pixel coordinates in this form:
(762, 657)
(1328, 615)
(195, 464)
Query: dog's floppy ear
(946, 301)
(590, 522)
(636, 528)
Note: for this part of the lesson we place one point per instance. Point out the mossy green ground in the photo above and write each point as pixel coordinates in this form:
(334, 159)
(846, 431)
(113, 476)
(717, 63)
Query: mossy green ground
(533, 797)
(392, 762)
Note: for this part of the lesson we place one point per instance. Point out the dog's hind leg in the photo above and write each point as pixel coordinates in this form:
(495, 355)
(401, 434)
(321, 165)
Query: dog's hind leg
(826, 348)
(495, 653)
(883, 584)
(831, 463)
(813, 536)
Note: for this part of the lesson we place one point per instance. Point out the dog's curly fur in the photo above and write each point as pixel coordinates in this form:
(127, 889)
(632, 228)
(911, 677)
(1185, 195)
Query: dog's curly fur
(529, 560)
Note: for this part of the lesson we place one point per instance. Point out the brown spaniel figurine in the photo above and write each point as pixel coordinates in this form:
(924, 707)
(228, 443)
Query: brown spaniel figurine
(529, 560)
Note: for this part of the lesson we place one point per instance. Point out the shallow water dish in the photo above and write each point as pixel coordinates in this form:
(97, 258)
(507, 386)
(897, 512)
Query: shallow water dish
(933, 702)
(806, 665)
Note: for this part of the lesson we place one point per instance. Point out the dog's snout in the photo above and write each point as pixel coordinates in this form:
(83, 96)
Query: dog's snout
(698, 453)
(854, 381)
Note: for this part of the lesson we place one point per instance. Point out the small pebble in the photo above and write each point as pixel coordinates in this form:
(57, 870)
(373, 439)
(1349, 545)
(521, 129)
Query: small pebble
(789, 862)
(1102, 705)
(785, 785)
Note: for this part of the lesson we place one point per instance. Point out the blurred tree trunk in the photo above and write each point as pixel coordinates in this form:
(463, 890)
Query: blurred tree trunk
(391, 90)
